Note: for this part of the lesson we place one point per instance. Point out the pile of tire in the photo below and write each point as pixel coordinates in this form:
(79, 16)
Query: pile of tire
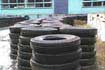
(55, 52)
(88, 40)
(24, 49)
(14, 38)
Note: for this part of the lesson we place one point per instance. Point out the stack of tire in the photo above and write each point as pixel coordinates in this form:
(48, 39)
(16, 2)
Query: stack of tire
(88, 41)
(14, 36)
(25, 52)
(55, 52)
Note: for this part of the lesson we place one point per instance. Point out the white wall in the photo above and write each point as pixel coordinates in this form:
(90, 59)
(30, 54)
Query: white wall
(98, 21)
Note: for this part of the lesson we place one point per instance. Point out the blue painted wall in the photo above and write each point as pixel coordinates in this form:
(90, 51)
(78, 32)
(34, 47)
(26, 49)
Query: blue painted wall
(73, 7)
(76, 7)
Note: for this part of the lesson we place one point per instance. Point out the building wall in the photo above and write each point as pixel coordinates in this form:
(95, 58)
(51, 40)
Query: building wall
(76, 7)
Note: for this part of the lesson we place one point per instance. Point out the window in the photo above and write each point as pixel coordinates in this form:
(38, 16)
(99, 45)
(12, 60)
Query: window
(29, 4)
(5, 1)
(39, 1)
(91, 3)
(104, 3)
(30, 0)
(47, 5)
(97, 3)
(21, 1)
(39, 5)
(47, 0)
(87, 4)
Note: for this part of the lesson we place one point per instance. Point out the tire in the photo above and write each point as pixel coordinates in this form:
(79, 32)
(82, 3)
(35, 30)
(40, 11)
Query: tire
(81, 32)
(14, 46)
(14, 36)
(87, 48)
(57, 58)
(13, 51)
(88, 41)
(24, 55)
(17, 28)
(37, 31)
(87, 55)
(91, 67)
(13, 56)
(51, 50)
(23, 62)
(24, 40)
(55, 40)
(14, 41)
(24, 68)
(25, 48)
(87, 62)
(68, 66)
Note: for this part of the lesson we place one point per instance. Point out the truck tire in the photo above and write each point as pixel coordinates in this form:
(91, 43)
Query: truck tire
(24, 40)
(24, 68)
(14, 46)
(17, 28)
(68, 66)
(55, 40)
(13, 56)
(88, 40)
(57, 58)
(81, 32)
(13, 51)
(90, 67)
(14, 36)
(24, 48)
(24, 55)
(37, 31)
(14, 41)
(23, 62)
(87, 48)
(87, 62)
(87, 55)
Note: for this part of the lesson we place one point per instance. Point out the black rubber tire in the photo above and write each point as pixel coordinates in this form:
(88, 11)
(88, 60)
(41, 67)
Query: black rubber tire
(24, 68)
(14, 41)
(13, 56)
(13, 51)
(14, 46)
(57, 58)
(24, 55)
(17, 28)
(51, 50)
(88, 40)
(68, 66)
(14, 36)
(87, 48)
(87, 55)
(23, 62)
(55, 40)
(24, 40)
(87, 62)
(81, 32)
(25, 48)
(91, 67)
(37, 31)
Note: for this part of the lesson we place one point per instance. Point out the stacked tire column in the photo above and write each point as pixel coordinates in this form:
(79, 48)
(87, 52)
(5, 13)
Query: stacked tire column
(14, 36)
(55, 52)
(88, 41)
(25, 52)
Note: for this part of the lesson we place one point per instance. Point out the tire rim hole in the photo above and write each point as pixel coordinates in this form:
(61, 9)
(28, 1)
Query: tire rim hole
(53, 38)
